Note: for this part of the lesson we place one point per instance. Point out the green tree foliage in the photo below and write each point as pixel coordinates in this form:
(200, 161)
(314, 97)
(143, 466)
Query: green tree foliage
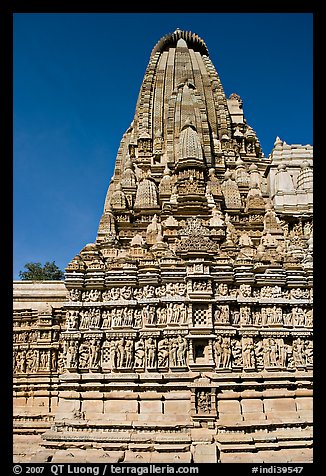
(37, 272)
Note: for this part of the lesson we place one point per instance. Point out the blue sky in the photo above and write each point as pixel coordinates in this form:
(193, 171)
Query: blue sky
(76, 82)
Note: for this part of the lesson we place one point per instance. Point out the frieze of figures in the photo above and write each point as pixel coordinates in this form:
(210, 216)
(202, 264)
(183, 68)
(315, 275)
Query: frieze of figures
(127, 293)
(171, 313)
(25, 336)
(34, 335)
(91, 295)
(244, 290)
(37, 346)
(272, 352)
(96, 352)
(222, 352)
(269, 292)
(119, 352)
(201, 286)
(38, 360)
(126, 353)
(91, 316)
(222, 314)
(263, 316)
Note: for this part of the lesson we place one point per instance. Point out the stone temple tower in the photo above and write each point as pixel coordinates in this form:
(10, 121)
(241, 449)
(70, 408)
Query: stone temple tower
(188, 324)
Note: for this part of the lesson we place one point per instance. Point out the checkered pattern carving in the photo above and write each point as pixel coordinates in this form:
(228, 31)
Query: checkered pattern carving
(106, 355)
(200, 315)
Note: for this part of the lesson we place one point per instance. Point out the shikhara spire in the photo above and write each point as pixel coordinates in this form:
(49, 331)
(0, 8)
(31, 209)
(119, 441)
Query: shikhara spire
(192, 310)
(189, 149)
(183, 127)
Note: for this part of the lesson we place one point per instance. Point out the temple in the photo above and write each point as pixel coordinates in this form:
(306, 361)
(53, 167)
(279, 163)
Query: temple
(183, 333)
